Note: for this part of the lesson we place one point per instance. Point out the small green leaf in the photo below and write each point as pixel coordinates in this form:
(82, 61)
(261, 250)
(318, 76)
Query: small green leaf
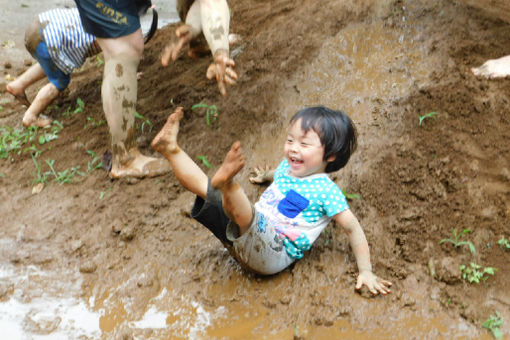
(204, 161)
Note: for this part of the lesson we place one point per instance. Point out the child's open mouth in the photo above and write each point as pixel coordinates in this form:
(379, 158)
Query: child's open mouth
(294, 162)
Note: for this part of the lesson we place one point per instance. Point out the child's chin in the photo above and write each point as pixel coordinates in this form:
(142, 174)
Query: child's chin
(296, 173)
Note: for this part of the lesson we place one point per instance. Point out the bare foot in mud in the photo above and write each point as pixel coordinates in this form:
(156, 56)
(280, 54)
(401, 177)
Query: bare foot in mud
(19, 94)
(165, 141)
(173, 49)
(494, 68)
(41, 121)
(140, 166)
(233, 163)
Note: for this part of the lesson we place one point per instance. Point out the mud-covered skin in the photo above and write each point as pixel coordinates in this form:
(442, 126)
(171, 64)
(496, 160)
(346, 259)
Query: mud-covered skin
(33, 36)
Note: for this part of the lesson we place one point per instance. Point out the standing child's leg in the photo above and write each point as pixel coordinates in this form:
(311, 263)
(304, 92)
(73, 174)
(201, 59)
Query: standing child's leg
(235, 202)
(185, 169)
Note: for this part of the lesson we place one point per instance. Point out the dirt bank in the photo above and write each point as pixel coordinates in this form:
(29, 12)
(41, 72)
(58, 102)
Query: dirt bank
(386, 63)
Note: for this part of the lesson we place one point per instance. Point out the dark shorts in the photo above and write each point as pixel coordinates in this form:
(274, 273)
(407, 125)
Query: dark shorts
(109, 18)
(210, 214)
(259, 250)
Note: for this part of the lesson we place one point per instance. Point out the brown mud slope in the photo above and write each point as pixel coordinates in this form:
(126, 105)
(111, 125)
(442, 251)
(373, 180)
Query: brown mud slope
(418, 183)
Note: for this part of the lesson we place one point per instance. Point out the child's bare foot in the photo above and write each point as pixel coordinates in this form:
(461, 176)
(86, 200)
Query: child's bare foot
(165, 141)
(173, 49)
(41, 121)
(20, 95)
(495, 68)
(233, 163)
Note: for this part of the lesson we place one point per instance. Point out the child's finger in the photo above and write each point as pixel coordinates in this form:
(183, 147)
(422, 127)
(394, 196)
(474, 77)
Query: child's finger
(230, 81)
(211, 71)
(222, 87)
(231, 73)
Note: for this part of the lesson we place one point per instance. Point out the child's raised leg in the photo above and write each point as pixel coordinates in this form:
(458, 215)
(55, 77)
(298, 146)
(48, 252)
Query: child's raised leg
(185, 169)
(235, 202)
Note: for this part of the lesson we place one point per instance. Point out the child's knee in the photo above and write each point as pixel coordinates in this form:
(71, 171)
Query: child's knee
(33, 36)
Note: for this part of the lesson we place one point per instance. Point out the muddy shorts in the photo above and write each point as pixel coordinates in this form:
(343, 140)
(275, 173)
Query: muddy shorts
(259, 250)
(109, 18)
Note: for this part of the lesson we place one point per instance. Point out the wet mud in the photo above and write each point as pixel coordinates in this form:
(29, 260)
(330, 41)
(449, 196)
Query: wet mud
(127, 255)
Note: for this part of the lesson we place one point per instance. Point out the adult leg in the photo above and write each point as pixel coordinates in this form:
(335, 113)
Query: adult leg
(44, 97)
(235, 202)
(18, 86)
(185, 169)
(119, 95)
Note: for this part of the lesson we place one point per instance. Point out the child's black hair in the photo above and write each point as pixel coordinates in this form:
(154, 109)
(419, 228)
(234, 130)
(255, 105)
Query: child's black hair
(336, 132)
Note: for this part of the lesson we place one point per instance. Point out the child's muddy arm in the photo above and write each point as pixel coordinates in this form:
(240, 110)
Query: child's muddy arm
(359, 246)
(262, 175)
(215, 26)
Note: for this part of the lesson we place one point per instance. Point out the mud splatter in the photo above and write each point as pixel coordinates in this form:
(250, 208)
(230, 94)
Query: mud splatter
(119, 70)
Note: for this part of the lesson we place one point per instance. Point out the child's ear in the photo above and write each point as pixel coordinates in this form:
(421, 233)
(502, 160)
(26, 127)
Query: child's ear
(331, 158)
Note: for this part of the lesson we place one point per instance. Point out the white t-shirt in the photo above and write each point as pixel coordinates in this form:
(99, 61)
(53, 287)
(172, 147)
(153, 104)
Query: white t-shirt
(300, 208)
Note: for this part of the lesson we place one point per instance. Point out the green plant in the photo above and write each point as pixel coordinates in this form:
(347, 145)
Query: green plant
(504, 243)
(475, 273)
(211, 112)
(350, 197)
(145, 122)
(428, 115)
(80, 107)
(67, 112)
(33, 149)
(2, 175)
(51, 132)
(94, 123)
(204, 161)
(103, 193)
(493, 323)
(456, 240)
(12, 139)
(65, 176)
(95, 163)
(40, 177)
(99, 61)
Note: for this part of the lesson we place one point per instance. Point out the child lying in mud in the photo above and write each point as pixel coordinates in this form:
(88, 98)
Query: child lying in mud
(292, 212)
(59, 44)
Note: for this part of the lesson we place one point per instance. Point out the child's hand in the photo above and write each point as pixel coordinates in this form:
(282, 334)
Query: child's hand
(375, 284)
(222, 70)
(262, 174)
